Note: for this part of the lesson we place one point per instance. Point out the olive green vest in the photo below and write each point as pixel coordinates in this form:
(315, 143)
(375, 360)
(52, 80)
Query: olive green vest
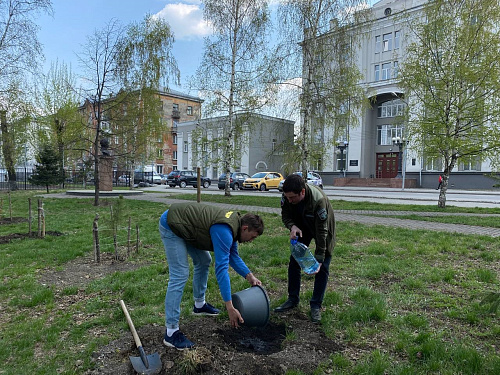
(192, 222)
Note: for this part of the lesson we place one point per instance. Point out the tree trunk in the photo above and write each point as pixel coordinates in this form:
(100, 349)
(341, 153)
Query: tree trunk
(7, 150)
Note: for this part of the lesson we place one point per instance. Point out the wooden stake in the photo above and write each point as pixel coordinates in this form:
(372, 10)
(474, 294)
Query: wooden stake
(129, 229)
(39, 218)
(137, 238)
(95, 231)
(30, 217)
(10, 207)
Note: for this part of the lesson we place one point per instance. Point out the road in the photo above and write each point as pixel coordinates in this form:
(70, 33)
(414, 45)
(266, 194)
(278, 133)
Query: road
(459, 198)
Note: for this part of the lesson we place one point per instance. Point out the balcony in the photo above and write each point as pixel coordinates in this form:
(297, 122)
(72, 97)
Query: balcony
(176, 114)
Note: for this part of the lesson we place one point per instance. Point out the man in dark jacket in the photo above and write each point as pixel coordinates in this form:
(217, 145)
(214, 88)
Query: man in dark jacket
(195, 229)
(307, 212)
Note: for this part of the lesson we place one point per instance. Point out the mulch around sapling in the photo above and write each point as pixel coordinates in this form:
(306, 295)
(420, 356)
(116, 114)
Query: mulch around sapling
(221, 349)
(290, 341)
(17, 236)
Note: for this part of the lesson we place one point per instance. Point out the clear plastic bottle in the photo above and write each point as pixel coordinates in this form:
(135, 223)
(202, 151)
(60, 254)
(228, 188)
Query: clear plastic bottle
(304, 257)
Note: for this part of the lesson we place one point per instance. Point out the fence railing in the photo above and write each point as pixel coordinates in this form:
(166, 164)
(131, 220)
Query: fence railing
(72, 180)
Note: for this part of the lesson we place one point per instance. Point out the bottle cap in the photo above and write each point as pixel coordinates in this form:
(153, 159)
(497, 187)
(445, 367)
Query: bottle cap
(293, 241)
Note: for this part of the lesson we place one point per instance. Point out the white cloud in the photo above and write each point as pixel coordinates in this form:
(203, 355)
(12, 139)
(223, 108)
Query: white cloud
(185, 19)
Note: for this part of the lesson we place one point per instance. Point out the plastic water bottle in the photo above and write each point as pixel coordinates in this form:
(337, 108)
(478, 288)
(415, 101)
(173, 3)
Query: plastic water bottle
(304, 257)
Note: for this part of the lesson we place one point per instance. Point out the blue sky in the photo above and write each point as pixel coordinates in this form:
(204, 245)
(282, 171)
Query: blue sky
(73, 21)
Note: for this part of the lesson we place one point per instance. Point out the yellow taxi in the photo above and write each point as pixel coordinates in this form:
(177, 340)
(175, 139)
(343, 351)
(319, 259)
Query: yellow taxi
(263, 181)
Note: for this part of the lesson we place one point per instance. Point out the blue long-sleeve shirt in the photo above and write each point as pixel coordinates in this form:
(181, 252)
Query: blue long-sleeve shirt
(225, 253)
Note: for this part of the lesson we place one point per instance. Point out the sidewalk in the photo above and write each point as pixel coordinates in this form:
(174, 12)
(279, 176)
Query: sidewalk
(363, 217)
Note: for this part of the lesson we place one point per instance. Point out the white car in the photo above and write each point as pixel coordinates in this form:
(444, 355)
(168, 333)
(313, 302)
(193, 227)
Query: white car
(313, 178)
(124, 178)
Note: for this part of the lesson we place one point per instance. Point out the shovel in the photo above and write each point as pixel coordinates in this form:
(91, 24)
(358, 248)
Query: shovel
(145, 364)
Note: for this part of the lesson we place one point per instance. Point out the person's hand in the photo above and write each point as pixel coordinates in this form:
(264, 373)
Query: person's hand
(295, 232)
(317, 270)
(235, 318)
(253, 280)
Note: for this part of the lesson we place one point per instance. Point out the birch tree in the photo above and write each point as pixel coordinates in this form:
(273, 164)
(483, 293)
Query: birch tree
(235, 75)
(317, 45)
(452, 77)
(124, 66)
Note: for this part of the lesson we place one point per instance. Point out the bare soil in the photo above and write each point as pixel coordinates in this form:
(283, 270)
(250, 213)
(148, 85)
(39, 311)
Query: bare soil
(290, 341)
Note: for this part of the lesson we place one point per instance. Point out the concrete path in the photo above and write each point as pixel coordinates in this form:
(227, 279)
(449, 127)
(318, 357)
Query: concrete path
(361, 216)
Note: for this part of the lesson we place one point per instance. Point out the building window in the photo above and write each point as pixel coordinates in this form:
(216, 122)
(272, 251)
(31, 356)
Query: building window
(273, 146)
(159, 169)
(386, 71)
(378, 44)
(174, 155)
(189, 110)
(160, 153)
(385, 133)
(395, 70)
(390, 108)
(174, 167)
(397, 37)
(174, 139)
(175, 107)
(433, 163)
(185, 146)
(377, 72)
(387, 42)
(470, 163)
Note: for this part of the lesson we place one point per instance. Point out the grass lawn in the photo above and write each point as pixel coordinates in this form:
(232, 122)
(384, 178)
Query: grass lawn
(399, 301)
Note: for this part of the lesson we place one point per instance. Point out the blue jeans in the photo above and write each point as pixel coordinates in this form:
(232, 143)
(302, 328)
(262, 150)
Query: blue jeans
(177, 251)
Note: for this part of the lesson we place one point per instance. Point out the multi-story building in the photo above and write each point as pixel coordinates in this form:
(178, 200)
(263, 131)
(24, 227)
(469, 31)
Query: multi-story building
(368, 150)
(161, 153)
(176, 108)
(261, 144)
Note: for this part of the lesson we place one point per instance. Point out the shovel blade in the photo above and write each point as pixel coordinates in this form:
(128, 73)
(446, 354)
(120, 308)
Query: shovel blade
(154, 364)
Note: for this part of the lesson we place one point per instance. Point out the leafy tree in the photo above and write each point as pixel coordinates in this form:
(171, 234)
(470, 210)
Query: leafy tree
(235, 74)
(317, 46)
(452, 77)
(20, 53)
(124, 66)
(48, 170)
(59, 121)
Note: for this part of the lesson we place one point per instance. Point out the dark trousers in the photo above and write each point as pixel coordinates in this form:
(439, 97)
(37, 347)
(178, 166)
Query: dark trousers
(320, 282)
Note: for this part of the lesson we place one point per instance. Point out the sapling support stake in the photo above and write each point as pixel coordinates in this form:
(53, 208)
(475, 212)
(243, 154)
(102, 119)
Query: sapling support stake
(129, 229)
(95, 230)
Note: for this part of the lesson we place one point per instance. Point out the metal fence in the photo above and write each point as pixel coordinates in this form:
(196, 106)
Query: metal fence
(72, 180)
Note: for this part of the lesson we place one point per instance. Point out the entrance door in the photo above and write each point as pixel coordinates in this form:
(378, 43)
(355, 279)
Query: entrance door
(387, 165)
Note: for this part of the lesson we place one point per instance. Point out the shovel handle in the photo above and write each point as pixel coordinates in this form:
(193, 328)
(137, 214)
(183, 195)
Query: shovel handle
(131, 325)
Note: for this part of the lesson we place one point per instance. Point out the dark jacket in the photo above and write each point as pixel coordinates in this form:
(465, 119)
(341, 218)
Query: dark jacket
(192, 222)
(318, 217)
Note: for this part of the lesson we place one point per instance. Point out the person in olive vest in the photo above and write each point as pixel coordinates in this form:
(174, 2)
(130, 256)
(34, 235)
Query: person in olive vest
(196, 229)
(307, 212)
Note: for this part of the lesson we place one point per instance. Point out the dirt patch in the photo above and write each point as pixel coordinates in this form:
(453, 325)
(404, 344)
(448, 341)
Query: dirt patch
(289, 342)
(81, 271)
(18, 236)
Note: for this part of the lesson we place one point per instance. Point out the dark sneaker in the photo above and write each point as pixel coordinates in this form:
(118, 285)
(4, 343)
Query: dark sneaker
(315, 315)
(207, 309)
(287, 305)
(178, 341)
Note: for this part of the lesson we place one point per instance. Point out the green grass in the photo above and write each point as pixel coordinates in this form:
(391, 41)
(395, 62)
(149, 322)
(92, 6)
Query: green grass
(399, 301)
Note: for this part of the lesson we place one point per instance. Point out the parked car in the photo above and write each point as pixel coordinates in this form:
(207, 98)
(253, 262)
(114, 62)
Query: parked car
(236, 180)
(124, 178)
(185, 178)
(263, 181)
(313, 178)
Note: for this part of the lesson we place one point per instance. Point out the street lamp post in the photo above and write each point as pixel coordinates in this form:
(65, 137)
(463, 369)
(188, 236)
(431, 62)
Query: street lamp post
(400, 142)
(342, 146)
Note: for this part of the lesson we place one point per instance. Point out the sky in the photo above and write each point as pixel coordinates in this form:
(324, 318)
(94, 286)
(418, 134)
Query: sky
(64, 34)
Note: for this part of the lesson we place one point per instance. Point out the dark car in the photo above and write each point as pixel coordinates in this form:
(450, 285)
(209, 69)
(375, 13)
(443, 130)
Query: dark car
(185, 178)
(236, 180)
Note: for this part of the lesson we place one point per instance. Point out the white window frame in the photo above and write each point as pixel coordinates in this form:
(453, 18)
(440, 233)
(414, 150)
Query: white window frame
(386, 71)
(185, 147)
(397, 38)
(377, 72)
(378, 43)
(387, 42)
